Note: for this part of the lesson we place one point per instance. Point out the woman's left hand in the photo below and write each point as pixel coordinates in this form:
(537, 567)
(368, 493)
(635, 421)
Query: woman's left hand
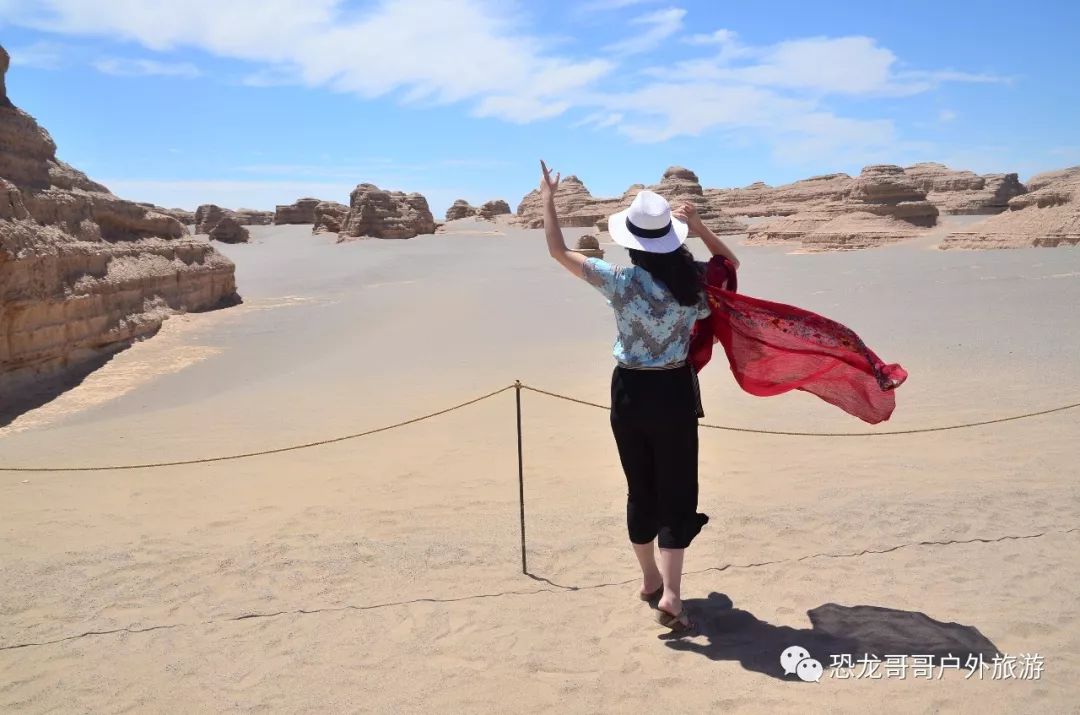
(548, 186)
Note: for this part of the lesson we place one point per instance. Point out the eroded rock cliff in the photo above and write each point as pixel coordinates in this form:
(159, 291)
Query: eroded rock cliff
(83, 272)
(376, 213)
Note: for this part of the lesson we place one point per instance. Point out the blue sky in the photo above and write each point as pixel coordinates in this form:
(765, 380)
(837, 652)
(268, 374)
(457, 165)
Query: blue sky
(257, 102)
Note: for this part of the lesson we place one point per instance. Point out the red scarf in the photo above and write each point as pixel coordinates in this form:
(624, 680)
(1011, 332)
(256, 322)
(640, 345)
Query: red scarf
(773, 348)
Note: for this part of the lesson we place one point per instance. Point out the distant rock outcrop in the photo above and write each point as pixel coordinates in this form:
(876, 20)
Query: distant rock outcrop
(376, 213)
(885, 190)
(820, 230)
(207, 216)
(328, 217)
(760, 199)
(303, 211)
(578, 208)
(229, 230)
(679, 185)
(83, 272)
(1048, 215)
(881, 205)
(490, 209)
(254, 217)
(460, 209)
(587, 245)
(574, 203)
(965, 192)
(182, 215)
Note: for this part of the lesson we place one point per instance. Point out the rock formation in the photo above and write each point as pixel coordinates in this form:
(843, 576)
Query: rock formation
(254, 217)
(303, 211)
(182, 215)
(818, 230)
(574, 203)
(328, 217)
(207, 216)
(376, 213)
(885, 190)
(83, 272)
(760, 199)
(964, 192)
(578, 208)
(229, 230)
(679, 185)
(881, 205)
(588, 245)
(490, 209)
(460, 209)
(1048, 215)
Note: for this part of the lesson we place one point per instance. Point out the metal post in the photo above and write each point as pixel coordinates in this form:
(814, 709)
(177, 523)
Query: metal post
(521, 476)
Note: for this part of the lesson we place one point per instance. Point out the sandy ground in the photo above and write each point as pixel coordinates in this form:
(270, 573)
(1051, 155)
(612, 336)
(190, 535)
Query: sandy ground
(383, 574)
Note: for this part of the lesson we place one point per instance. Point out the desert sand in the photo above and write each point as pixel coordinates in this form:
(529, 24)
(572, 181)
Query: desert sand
(382, 574)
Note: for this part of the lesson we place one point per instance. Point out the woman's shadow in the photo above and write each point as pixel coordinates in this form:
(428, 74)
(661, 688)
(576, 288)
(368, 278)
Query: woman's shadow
(734, 634)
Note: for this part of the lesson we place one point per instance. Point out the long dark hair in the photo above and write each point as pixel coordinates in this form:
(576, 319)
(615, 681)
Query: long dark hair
(675, 270)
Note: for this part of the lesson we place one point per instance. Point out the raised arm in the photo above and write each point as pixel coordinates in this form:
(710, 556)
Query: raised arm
(688, 213)
(570, 260)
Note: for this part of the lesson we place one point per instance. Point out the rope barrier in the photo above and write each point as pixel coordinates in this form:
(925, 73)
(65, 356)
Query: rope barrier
(521, 386)
(291, 448)
(827, 434)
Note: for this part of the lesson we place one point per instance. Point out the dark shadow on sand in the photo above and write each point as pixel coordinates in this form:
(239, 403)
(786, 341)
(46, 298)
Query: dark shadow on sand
(737, 635)
(16, 403)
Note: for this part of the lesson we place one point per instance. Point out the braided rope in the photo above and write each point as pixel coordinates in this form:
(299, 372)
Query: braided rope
(290, 448)
(522, 386)
(828, 434)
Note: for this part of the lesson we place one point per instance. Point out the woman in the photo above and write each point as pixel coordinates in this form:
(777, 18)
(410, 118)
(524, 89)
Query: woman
(655, 403)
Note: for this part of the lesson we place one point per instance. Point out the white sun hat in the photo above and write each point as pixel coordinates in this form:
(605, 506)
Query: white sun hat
(647, 225)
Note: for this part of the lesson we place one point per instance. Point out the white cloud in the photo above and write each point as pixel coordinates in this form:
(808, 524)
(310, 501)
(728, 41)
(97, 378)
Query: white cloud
(842, 65)
(600, 120)
(436, 51)
(124, 67)
(595, 6)
(946, 115)
(39, 55)
(776, 94)
(648, 32)
(716, 37)
(481, 54)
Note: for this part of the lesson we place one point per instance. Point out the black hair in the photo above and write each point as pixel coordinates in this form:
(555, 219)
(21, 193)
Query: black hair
(676, 271)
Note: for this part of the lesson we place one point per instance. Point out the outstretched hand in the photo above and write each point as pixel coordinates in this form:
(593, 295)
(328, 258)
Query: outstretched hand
(687, 213)
(548, 185)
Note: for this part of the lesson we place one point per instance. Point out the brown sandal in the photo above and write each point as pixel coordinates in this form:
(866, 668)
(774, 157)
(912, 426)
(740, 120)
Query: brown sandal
(676, 622)
(650, 597)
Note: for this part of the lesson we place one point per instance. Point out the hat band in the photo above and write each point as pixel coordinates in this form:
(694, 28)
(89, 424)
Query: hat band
(647, 232)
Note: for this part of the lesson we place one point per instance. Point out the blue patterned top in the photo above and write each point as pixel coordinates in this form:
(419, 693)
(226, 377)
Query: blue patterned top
(653, 329)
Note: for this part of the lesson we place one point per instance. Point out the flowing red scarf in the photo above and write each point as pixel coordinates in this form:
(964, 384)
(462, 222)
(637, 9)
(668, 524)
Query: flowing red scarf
(773, 348)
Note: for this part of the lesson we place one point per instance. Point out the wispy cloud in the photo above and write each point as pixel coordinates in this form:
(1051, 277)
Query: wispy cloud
(778, 93)
(481, 54)
(647, 32)
(842, 65)
(124, 67)
(43, 55)
(433, 51)
(600, 120)
(946, 115)
(597, 6)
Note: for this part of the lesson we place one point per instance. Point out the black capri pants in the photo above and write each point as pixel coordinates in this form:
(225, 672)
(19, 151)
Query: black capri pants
(654, 416)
